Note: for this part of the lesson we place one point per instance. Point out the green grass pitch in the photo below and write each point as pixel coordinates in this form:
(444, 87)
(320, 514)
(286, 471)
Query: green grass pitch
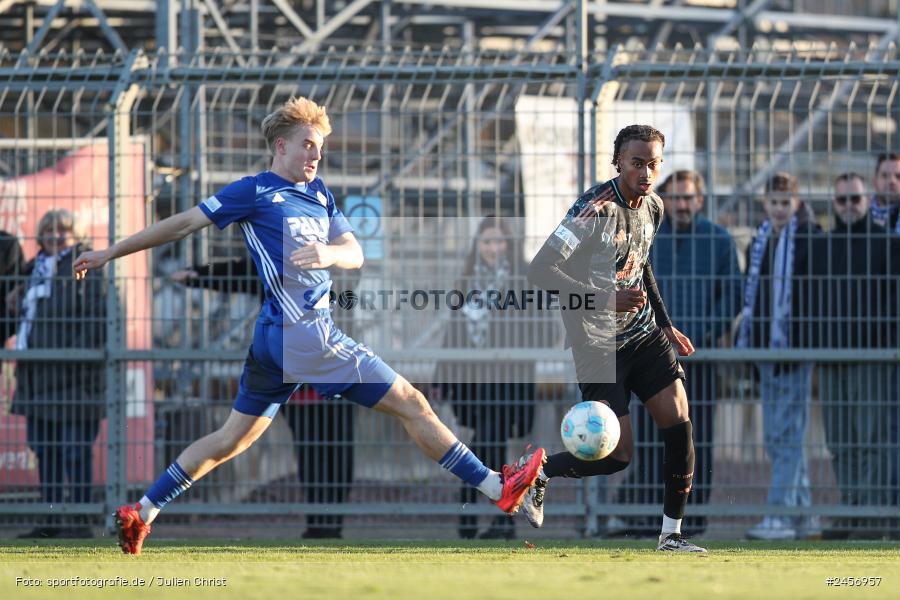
(285, 569)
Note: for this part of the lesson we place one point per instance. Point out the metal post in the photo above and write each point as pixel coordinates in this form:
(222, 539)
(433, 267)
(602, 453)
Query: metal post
(166, 32)
(190, 32)
(583, 56)
(595, 487)
(30, 116)
(198, 180)
(254, 25)
(121, 101)
(711, 123)
(386, 22)
(469, 131)
(387, 91)
(185, 28)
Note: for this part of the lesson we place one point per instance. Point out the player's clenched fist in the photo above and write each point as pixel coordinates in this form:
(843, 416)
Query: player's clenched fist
(314, 256)
(93, 259)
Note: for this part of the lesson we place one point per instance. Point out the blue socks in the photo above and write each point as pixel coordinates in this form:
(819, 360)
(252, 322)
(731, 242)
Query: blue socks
(169, 486)
(460, 461)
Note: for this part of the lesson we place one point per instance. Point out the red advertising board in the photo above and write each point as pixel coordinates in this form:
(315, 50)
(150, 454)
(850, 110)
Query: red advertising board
(80, 182)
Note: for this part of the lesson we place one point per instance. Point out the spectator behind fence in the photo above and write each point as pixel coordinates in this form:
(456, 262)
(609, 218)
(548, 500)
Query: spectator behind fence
(12, 266)
(495, 410)
(772, 317)
(885, 206)
(62, 402)
(322, 429)
(886, 212)
(696, 267)
(850, 283)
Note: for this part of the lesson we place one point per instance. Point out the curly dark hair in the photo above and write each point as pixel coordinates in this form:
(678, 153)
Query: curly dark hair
(644, 133)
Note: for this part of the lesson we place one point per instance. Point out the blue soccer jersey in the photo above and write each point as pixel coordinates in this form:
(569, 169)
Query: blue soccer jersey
(295, 339)
(276, 217)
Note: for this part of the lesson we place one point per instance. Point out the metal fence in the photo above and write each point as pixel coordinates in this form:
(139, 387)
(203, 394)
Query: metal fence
(422, 137)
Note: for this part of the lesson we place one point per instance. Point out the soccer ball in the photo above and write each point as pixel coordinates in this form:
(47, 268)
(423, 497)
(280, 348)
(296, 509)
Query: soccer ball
(590, 430)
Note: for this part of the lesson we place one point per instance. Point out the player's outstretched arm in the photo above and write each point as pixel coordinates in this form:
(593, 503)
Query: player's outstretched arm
(168, 230)
(343, 252)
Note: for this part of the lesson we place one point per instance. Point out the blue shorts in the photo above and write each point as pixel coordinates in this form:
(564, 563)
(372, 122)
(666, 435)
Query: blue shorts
(312, 351)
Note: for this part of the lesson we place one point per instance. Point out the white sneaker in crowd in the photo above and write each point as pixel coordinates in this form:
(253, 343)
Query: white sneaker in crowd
(772, 528)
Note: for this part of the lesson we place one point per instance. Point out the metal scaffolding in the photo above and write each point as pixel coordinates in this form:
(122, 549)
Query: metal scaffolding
(299, 26)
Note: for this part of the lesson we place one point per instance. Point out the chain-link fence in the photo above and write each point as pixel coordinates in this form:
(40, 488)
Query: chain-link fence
(803, 430)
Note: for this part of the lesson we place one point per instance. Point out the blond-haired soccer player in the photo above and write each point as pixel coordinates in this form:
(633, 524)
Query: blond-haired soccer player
(295, 233)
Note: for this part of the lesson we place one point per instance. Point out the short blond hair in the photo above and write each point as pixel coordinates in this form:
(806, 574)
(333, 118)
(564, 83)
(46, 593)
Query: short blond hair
(297, 111)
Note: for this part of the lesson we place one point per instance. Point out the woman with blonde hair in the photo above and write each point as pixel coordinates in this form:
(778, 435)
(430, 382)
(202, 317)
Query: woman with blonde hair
(62, 403)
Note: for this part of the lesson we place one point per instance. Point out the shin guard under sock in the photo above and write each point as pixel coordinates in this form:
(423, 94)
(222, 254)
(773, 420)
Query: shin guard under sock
(678, 468)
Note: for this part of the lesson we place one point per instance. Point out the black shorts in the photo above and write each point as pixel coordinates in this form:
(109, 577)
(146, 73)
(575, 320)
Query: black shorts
(644, 368)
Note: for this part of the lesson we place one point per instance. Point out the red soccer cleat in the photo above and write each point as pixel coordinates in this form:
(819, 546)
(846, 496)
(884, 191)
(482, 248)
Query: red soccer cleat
(131, 528)
(518, 478)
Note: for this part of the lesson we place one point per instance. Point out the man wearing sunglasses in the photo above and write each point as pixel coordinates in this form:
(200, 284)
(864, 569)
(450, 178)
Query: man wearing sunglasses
(850, 283)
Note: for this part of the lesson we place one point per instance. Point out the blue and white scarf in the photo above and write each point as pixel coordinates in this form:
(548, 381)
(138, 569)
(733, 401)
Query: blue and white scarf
(782, 276)
(485, 279)
(881, 214)
(39, 286)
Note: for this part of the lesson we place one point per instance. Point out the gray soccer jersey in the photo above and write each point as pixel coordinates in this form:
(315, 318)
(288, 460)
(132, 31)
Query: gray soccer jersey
(605, 243)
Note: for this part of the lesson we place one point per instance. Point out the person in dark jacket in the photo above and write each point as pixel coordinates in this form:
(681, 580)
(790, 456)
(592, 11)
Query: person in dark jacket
(494, 398)
(63, 403)
(776, 306)
(322, 430)
(884, 208)
(850, 268)
(696, 266)
(12, 266)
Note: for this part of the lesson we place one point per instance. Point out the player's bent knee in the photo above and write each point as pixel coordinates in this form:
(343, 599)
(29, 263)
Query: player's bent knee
(681, 398)
(670, 406)
(406, 402)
